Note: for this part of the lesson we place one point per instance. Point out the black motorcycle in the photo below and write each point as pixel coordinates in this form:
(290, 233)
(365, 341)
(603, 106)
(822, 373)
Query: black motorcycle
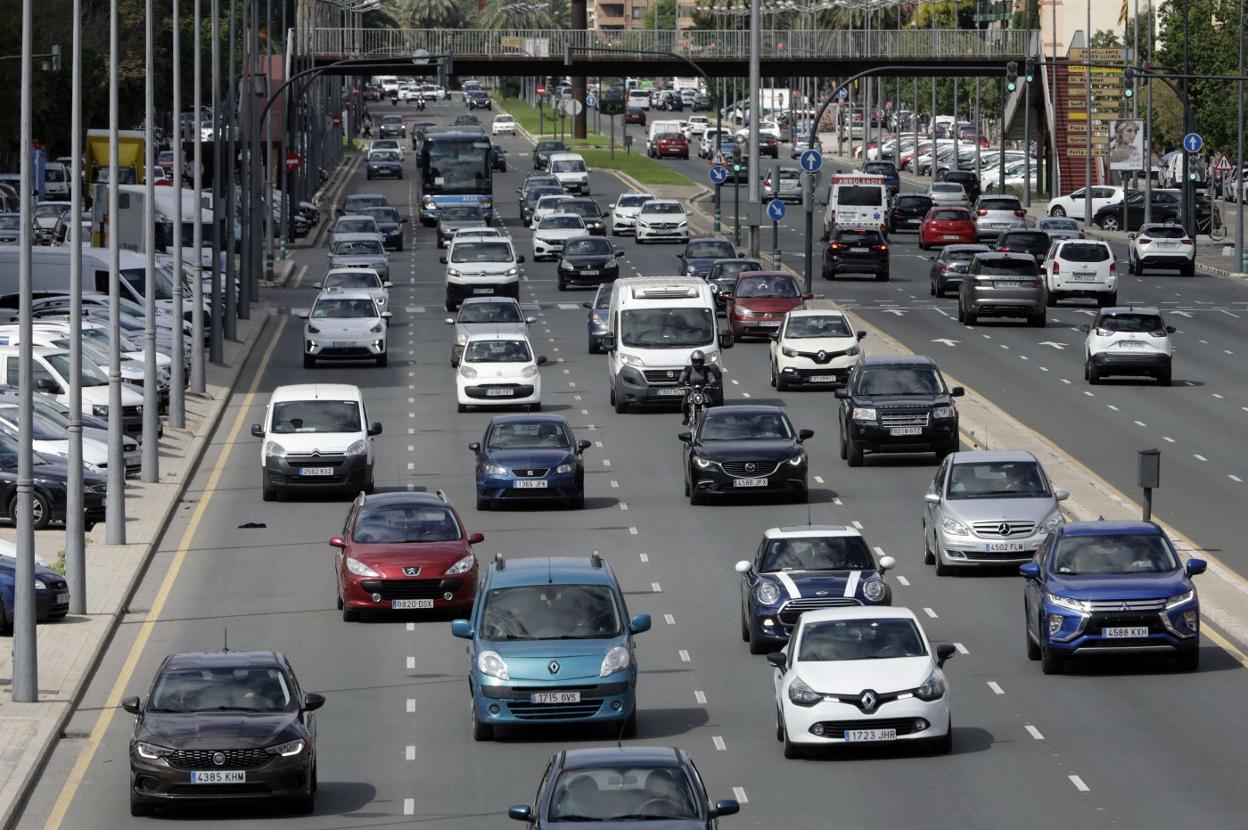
(698, 399)
(394, 98)
(420, 104)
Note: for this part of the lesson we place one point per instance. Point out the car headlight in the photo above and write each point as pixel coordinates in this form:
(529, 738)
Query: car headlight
(703, 463)
(1060, 601)
(492, 664)
(357, 447)
(272, 449)
(933, 688)
(617, 659)
(597, 320)
(681, 224)
(798, 460)
(286, 750)
(453, 272)
(511, 272)
(467, 371)
(40, 586)
(428, 202)
(864, 413)
(94, 468)
(954, 528)
(631, 359)
(788, 352)
(1174, 601)
(528, 372)
(743, 312)
(942, 412)
(853, 351)
(463, 566)
(689, 271)
(767, 593)
(803, 695)
(495, 470)
(151, 751)
(377, 329)
(874, 590)
(1053, 522)
(358, 568)
(461, 339)
(564, 469)
(100, 410)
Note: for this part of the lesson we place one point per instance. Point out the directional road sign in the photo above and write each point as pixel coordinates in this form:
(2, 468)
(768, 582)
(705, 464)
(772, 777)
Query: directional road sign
(811, 161)
(842, 93)
(719, 174)
(1193, 143)
(775, 210)
(591, 101)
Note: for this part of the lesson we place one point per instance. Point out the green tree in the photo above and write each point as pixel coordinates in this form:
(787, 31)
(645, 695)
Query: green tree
(1213, 49)
(1106, 39)
(666, 10)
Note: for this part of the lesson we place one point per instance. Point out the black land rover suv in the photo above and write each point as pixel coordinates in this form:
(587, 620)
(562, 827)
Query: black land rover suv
(897, 404)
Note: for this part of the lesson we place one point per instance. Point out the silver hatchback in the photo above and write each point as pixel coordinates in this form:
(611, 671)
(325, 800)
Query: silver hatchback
(479, 315)
(994, 214)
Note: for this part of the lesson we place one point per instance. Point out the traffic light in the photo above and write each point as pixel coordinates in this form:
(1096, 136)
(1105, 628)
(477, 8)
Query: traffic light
(1029, 71)
(1011, 76)
(1128, 83)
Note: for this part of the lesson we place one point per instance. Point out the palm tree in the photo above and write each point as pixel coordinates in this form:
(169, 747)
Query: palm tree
(429, 14)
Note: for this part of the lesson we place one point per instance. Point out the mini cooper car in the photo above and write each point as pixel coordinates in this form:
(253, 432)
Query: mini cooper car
(800, 569)
(1125, 340)
(529, 458)
(403, 552)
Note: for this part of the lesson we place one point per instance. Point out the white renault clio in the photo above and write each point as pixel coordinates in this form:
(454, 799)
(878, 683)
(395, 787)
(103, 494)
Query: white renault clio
(499, 369)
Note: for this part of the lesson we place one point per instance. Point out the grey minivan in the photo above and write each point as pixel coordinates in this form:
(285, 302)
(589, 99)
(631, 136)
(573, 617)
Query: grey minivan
(1002, 285)
(994, 214)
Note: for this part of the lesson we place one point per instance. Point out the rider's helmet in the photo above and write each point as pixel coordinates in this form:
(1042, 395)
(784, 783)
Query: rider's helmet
(697, 358)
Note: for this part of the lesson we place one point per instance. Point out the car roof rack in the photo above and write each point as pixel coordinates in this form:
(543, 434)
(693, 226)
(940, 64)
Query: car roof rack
(499, 561)
(595, 559)
(441, 494)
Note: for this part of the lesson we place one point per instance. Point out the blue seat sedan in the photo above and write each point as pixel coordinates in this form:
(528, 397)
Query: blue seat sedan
(551, 642)
(528, 458)
(1110, 588)
(596, 322)
(51, 591)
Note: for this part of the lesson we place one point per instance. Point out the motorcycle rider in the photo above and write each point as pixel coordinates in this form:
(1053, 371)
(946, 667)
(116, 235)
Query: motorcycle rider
(420, 101)
(697, 373)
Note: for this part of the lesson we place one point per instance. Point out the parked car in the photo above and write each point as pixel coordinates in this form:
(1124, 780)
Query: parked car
(1073, 203)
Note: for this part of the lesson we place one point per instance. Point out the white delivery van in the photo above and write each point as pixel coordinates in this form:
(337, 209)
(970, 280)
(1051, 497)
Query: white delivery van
(571, 171)
(657, 128)
(129, 221)
(654, 324)
(856, 200)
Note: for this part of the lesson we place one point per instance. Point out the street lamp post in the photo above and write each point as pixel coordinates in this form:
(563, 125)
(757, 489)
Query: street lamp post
(150, 471)
(115, 503)
(177, 387)
(75, 520)
(197, 288)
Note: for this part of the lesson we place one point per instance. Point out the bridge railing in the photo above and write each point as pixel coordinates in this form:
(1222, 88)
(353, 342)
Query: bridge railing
(911, 44)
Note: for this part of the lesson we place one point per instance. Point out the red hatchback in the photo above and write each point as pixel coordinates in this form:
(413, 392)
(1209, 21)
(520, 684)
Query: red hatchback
(759, 301)
(947, 226)
(404, 552)
(671, 145)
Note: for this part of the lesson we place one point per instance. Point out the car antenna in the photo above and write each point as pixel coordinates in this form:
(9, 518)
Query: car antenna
(550, 577)
(225, 646)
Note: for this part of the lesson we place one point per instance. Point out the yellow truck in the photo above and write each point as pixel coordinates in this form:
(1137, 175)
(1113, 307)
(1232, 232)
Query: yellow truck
(129, 157)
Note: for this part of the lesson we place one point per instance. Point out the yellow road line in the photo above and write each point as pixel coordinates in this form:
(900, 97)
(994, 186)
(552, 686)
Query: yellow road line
(113, 703)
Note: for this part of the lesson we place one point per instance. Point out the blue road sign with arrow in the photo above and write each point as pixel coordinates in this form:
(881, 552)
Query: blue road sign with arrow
(591, 101)
(842, 93)
(811, 161)
(1193, 143)
(775, 210)
(719, 174)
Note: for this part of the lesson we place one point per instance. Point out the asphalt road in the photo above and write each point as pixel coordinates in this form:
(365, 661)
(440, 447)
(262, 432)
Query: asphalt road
(1118, 745)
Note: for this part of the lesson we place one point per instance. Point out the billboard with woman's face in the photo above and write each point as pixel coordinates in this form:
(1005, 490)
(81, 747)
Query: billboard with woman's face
(1126, 145)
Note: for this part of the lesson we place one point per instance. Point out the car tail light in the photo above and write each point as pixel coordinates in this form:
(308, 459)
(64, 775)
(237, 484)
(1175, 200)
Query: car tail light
(1113, 266)
(1185, 241)
(835, 246)
(767, 182)
(982, 212)
(1004, 250)
(879, 247)
(1144, 240)
(1019, 213)
(1057, 267)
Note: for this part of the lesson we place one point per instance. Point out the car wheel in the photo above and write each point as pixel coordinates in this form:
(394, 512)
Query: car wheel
(1163, 378)
(621, 405)
(853, 452)
(40, 512)
(1189, 270)
(461, 407)
(1057, 210)
(139, 809)
(882, 277)
(931, 288)
(1107, 300)
(929, 558)
(923, 246)
(941, 568)
(1051, 661)
(1037, 322)
(1033, 648)
(969, 319)
(944, 744)
(1109, 223)
(6, 625)
(1188, 660)
(1131, 269)
(383, 360)
(268, 492)
(480, 731)
(563, 286)
(577, 502)
(349, 614)
(1092, 374)
(309, 362)
(791, 750)
(304, 804)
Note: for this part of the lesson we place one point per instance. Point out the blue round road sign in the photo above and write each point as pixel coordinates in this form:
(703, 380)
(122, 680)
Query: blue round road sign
(775, 210)
(811, 161)
(591, 101)
(842, 93)
(719, 174)
(1193, 143)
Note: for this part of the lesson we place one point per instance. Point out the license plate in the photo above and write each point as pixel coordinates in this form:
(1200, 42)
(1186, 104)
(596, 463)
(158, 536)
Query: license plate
(906, 431)
(1125, 631)
(342, 344)
(1132, 344)
(498, 393)
(410, 604)
(670, 391)
(823, 378)
(483, 291)
(61, 599)
(590, 272)
(133, 458)
(863, 735)
(749, 482)
(1084, 276)
(768, 323)
(951, 236)
(1001, 284)
(1005, 547)
(219, 776)
(530, 484)
(857, 250)
(555, 697)
(316, 471)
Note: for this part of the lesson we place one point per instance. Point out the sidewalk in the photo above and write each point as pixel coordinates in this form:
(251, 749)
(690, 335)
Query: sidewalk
(69, 650)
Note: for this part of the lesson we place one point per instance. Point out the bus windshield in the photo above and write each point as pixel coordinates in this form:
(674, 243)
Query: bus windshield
(456, 164)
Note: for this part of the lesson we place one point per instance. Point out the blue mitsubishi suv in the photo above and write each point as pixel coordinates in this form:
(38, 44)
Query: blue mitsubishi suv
(1110, 588)
(551, 642)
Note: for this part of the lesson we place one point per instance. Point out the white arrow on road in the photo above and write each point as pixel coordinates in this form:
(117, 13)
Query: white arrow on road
(1182, 313)
(898, 311)
(947, 341)
(1058, 346)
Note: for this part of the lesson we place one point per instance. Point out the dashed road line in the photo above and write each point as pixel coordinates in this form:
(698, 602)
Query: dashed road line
(409, 806)
(409, 752)
(411, 704)
(669, 619)
(961, 648)
(1079, 785)
(719, 743)
(929, 612)
(684, 656)
(903, 581)
(996, 687)
(645, 557)
(699, 696)
(739, 792)
(1033, 732)
(656, 588)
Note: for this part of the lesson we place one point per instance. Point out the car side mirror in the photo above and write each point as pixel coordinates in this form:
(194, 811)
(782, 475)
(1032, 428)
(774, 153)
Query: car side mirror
(841, 393)
(403, 220)
(303, 315)
(685, 437)
(861, 335)
(461, 629)
(808, 296)
(337, 542)
(957, 392)
(1131, 236)
(1085, 328)
(476, 538)
(639, 624)
(1195, 566)
(605, 214)
(257, 431)
(931, 498)
(1060, 495)
(375, 429)
(743, 567)
(583, 445)
(804, 435)
(475, 446)
(725, 807)
(442, 260)
(1029, 570)
(312, 701)
(133, 705)
(1170, 329)
(541, 360)
(520, 812)
(619, 254)
(587, 305)
(726, 339)
(520, 259)
(608, 342)
(887, 563)
(450, 321)
(386, 315)
(727, 295)
(944, 652)
(778, 659)
(387, 284)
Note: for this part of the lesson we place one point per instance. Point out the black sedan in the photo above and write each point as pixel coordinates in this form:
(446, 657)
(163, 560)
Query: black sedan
(498, 158)
(950, 267)
(543, 150)
(384, 164)
(723, 276)
(222, 727)
(590, 213)
(50, 498)
(745, 449)
(390, 224)
(588, 260)
(51, 594)
(621, 787)
(1167, 207)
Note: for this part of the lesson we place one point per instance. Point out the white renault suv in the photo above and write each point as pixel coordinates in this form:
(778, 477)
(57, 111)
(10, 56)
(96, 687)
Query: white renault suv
(1125, 340)
(344, 324)
(1160, 245)
(815, 346)
(499, 370)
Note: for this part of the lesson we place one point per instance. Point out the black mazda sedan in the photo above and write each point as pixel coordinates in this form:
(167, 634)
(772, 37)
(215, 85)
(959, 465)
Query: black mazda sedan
(740, 450)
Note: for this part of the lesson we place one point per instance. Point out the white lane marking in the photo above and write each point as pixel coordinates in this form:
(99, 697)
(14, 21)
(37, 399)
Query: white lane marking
(411, 465)
(903, 581)
(1234, 478)
(614, 483)
(837, 501)
(409, 806)
(1024, 357)
(1065, 381)
(1216, 395)
(719, 743)
(645, 557)
(961, 648)
(857, 524)
(1199, 457)
(1044, 368)
(684, 656)
(411, 704)
(735, 382)
(623, 505)
(1140, 424)
(1111, 406)
(789, 585)
(1167, 439)
(656, 587)
(632, 531)
(576, 397)
(1089, 394)
(699, 696)
(745, 395)
(669, 619)
(411, 662)
(411, 626)
(1079, 785)
(1229, 313)
(930, 613)
(819, 479)
(597, 444)
(606, 462)
(1033, 732)
(996, 687)
(879, 551)
(409, 753)
(739, 792)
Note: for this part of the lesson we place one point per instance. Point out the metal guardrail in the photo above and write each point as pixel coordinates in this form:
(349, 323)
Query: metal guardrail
(733, 44)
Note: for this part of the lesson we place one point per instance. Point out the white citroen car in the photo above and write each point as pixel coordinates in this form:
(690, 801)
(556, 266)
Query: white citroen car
(499, 370)
(815, 346)
(861, 674)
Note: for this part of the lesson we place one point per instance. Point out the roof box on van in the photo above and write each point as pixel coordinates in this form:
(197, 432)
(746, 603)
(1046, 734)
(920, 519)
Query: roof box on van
(665, 292)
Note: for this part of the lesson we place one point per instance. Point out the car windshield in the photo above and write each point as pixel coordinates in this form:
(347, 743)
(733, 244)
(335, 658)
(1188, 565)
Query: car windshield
(551, 201)
(354, 203)
(1125, 554)
(1131, 323)
(632, 201)
(860, 640)
(353, 225)
(586, 210)
(561, 223)
(776, 287)
(551, 612)
(1164, 231)
(404, 523)
(999, 204)
(670, 137)
(460, 213)
(222, 689)
(567, 166)
(709, 249)
(950, 216)
(383, 214)
(92, 375)
(947, 187)
(593, 246)
(330, 308)
(550, 146)
(900, 380)
(1085, 252)
(997, 480)
(10, 221)
(490, 313)
(383, 155)
(661, 207)
(1057, 224)
(50, 211)
(392, 119)
(914, 202)
(633, 793)
(860, 237)
(744, 426)
(859, 196)
(315, 416)
(353, 279)
(827, 553)
(664, 328)
(729, 271)
(481, 252)
(503, 119)
(540, 435)
(1003, 267)
(498, 351)
(358, 247)
(537, 192)
(1033, 242)
(136, 278)
(43, 427)
(823, 325)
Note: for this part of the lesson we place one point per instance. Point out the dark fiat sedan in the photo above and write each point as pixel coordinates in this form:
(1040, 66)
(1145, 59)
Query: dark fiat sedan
(220, 727)
(742, 450)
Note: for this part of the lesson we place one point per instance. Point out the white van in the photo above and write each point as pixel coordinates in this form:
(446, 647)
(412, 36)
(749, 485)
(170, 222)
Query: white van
(657, 128)
(571, 171)
(858, 201)
(654, 324)
(51, 376)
